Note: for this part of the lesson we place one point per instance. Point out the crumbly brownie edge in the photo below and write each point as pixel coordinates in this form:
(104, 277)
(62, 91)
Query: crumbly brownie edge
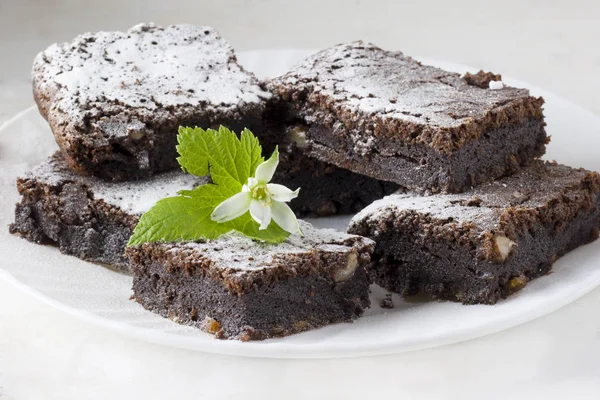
(292, 303)
(122, 158)
(67, 216)
(439, 139)
(419, 168)
(280, 267)
(413, 261)
(419, 253)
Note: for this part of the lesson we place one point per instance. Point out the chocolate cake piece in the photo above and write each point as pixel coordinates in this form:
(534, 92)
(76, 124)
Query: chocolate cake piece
(114, 100)
(93, 219)
(326, 188)
(482, 245)
(236, 288)
(387, 116)
(84, 216)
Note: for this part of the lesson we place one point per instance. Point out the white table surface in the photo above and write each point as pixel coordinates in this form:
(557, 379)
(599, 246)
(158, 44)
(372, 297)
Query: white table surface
(45, 354)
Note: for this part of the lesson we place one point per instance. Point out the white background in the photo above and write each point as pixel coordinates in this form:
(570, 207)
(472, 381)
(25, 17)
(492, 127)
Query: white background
(552, 44)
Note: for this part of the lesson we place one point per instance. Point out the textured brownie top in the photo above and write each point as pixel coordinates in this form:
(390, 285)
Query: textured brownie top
(387, 93)
(131, 197)
(242, 263)
(544, 192)
(146, 67)
(114, 100)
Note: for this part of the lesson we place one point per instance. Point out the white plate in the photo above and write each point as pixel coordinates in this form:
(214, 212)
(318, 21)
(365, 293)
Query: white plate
(101, 296)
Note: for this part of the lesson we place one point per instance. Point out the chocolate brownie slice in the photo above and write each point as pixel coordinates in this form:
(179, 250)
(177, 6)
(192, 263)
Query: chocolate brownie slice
(114, 100)
(385, 115)
(239, 289)
(93, 219)
(84, 216)
(482, 245)
(326, 188)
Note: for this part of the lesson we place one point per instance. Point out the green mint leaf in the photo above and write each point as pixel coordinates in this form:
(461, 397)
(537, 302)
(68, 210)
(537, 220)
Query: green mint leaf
(231, 161)
(187, 217)
(193, 146)
(251, 147)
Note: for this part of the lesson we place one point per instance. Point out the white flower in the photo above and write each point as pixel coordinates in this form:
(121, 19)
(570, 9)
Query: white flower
(264, 200)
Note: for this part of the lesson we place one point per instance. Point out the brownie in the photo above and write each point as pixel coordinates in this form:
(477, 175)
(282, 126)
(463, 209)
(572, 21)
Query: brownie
(325, 188)
(484, 244)
(236, 288)
(114, 100)
(387, 116)
(85, 216)
(93, 219)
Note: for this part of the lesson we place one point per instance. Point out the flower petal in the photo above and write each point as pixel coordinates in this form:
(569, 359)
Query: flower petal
(261, 213)
(281, 193)
(265, 171)
(285, 218)
(250, 185)
(233, 207)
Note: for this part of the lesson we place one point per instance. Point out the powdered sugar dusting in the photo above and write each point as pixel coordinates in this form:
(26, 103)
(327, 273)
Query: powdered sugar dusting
(361, 77)
(239, 253)
(441, 207)
(531, 187)
(134, 197)
(149, 67)
(139, 197)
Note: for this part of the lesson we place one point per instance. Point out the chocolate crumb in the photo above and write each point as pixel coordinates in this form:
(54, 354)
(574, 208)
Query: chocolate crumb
(481, 79)
(387, 302)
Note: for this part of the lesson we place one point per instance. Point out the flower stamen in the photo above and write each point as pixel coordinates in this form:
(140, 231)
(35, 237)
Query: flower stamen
(260, 192)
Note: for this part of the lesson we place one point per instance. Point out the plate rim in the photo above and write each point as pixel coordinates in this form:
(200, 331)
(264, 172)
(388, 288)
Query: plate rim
(293, 350)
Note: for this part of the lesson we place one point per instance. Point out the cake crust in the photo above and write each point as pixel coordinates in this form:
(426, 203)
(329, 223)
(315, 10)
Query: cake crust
(114, 100)
(485, 244)
(385, 115)
(93, 219)
(87, 217)
(236, 288)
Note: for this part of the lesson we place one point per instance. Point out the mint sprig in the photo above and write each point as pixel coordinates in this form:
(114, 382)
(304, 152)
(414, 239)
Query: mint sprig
(230, 161)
